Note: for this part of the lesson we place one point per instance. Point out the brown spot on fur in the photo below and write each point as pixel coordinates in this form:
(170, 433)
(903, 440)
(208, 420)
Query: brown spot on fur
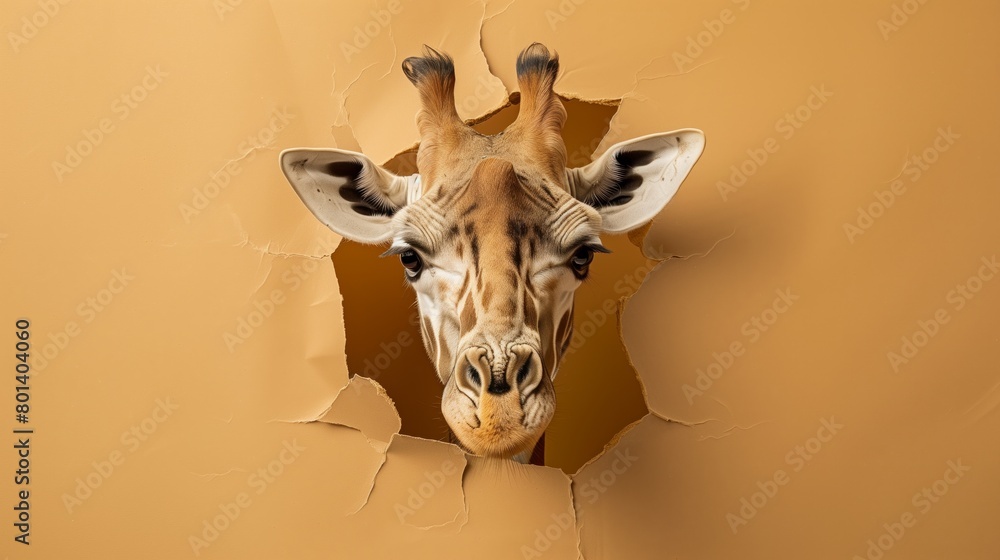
(517, 230)
(530, 312)
(468, 316)
(540, 233)
(475, 253)
(487, 295)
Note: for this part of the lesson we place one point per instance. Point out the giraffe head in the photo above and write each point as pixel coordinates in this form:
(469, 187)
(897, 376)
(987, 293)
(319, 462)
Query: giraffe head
(494, 234)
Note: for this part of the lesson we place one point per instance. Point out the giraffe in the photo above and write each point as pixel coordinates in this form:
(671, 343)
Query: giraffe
(494, 234)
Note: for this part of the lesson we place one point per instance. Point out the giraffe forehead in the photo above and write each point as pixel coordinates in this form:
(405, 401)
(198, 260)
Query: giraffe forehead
(503, 203)
(493, 206)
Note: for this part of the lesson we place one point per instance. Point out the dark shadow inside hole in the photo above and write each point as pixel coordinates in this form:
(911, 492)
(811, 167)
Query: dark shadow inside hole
(598, 393)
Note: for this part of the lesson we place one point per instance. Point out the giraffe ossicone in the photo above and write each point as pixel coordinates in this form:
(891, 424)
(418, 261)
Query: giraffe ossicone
(494, 234)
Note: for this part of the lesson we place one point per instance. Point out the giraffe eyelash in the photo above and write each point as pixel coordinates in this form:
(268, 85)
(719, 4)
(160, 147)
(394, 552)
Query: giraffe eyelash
(404, 246)
(395, 250)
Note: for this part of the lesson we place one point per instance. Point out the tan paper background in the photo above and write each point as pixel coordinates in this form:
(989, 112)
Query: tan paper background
(189, 391)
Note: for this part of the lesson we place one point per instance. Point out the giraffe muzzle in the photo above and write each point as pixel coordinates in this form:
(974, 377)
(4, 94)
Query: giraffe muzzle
(482, 373)
(499, 403)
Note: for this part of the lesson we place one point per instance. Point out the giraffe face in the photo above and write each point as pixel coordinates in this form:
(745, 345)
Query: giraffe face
(494, 235)
(494, 263)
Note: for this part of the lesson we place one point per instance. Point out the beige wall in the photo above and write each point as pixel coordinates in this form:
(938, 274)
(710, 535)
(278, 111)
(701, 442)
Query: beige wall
(811, 371)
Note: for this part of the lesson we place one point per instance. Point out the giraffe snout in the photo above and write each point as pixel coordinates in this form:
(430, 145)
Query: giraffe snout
(497, 373)
(499, 403)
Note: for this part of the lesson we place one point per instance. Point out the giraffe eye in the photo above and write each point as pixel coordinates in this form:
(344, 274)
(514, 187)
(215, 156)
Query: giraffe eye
(411, 262)
(581, 260)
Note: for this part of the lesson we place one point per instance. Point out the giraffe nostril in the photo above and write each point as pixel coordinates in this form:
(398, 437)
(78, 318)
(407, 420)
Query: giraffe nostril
(529, 372)
(522, 373)
(474, 376)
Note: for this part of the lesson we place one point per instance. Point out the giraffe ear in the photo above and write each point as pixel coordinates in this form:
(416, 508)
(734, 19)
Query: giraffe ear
(348, 192)
(635, 179)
